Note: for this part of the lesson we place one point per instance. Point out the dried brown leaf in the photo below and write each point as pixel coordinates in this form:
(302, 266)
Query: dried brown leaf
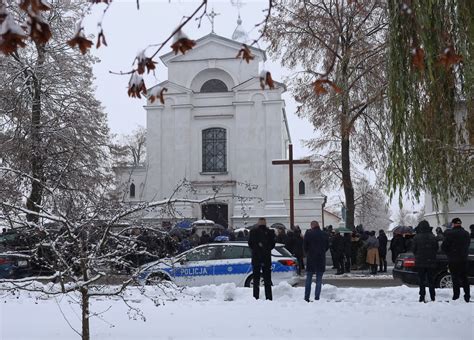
(10, 42)
(182, 45)
(245, 54)
(449, 58)
(83, 43)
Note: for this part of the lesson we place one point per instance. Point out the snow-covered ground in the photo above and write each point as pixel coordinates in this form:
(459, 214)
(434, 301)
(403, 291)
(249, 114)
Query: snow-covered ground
(227, 312)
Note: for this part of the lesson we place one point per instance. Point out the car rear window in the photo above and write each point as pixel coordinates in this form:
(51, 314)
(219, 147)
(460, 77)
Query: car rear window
(282, 252)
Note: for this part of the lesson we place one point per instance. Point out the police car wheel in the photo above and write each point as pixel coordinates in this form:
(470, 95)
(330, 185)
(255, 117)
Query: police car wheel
(156, 278)
(249, 282)
(445, 281)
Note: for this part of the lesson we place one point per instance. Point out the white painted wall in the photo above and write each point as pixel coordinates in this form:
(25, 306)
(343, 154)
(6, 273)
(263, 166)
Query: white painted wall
(256, 135)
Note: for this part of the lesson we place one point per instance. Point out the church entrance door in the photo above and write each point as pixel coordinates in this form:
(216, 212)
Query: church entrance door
(219, 213)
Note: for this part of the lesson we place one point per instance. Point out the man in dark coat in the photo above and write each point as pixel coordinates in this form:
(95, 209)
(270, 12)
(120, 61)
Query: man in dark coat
(205, 238)
(347, 252)
(261, 242)
(338, 250)
(298, 249)
(397, 246)
(456, 246)
(290, 240)
(316, 243)
(425, 247)
(382, 250)
(281, 236)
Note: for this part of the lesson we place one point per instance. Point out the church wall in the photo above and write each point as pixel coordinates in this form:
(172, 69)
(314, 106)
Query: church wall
(445, 214)
(154, 155)
(209, 100)
(306, 210)
(255, 130)
(183, 73)
(275, 173)
(128, 175)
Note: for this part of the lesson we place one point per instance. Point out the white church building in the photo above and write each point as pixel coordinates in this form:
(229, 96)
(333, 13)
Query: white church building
(220, 131)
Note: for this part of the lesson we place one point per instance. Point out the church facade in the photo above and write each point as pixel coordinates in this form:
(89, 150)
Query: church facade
(219, 131)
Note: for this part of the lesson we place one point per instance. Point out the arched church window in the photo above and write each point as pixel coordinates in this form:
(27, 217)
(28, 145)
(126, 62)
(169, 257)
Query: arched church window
(214, 85)
(301, 187)
(132, 190)
(214, 150)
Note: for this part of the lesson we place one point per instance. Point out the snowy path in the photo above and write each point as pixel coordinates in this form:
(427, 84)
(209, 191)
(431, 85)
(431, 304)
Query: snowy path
(226, 312)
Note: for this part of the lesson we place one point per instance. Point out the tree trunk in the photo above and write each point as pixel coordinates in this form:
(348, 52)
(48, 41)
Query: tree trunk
(84, 289)
(85, 314)
(347, 182)
(33, 202)
(345, 137)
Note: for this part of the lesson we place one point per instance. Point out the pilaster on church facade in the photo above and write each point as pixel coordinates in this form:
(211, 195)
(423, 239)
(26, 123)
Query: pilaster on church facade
(220, 131)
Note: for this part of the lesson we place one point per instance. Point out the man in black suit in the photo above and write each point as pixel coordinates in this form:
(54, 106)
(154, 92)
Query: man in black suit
(261, 242)
(456, 246)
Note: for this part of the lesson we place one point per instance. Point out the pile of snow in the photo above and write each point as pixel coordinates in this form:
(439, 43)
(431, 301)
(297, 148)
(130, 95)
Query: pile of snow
(227, 312)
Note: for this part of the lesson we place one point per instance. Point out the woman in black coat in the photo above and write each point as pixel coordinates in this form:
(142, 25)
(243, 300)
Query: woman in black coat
(425, 247)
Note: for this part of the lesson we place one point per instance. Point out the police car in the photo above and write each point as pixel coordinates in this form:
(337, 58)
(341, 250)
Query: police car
(217, 263)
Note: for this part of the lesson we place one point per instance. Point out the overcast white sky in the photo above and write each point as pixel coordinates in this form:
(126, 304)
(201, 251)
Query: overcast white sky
(129, 30)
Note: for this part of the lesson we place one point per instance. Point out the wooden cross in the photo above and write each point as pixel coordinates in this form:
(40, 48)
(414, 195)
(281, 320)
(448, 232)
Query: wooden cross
(290, 161)
(211, 17)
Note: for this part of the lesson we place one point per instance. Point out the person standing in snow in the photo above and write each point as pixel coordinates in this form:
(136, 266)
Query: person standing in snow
(456, 246)
(261, 242)
(298, 249)
(315, 243)
(425, 247)
(337, 247)
(383, 250)
(397, 246)
(372, 252)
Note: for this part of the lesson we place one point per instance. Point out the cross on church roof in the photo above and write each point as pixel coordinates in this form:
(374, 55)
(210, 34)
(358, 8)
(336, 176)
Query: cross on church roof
(211, 17)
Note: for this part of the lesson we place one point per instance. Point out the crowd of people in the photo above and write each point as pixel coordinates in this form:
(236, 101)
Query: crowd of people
(315, 243)
(355, 250)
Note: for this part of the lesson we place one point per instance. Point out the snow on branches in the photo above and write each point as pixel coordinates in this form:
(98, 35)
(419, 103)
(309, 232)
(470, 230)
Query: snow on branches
(136, 86)
(11, 34)
(144, 62)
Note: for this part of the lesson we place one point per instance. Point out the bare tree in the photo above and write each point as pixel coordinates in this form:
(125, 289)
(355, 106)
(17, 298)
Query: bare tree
(371, 206)
(338, 48)
(79, 251)
(131, 149)
(406, 217)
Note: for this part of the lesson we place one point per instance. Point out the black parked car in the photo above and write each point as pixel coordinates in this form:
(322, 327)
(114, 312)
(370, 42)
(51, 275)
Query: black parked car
(16, 260)
(405, 269)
